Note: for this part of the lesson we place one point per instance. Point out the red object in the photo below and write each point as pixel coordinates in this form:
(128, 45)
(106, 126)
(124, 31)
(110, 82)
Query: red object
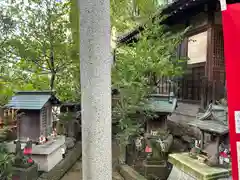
(27, 151)
(231, 31)
(148, 149)
(224, 155)
(30, 160)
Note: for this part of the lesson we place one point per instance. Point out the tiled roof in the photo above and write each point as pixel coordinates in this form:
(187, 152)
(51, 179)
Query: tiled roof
(172, 10)
(32, 100)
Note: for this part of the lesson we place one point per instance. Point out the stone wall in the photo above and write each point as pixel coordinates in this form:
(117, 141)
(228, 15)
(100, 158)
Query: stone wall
(60, 169)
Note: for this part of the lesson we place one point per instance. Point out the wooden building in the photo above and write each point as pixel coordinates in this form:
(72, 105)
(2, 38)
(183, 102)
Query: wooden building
(205, 76)
(37, 114)
(204, 79)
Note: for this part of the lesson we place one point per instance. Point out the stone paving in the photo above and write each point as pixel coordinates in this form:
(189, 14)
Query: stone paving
(75, 173)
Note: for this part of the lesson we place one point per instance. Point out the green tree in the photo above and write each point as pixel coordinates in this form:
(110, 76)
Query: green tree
(7, 26)
(45, 44)
(41, 49)
(127, 14)
(137, 70)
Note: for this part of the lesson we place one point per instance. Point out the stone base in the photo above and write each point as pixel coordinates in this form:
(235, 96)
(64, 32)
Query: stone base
(25, 173)
(158, 169)
(179, 174)
(49, 154)
(61, 168)
(46, 155)
(186, 168)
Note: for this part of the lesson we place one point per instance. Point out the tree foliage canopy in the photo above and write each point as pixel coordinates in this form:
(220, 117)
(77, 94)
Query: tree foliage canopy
(41, 51)
(138, 68)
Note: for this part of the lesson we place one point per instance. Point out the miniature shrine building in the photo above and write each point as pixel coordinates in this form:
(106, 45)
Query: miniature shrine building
(37, 115)
(162, 105)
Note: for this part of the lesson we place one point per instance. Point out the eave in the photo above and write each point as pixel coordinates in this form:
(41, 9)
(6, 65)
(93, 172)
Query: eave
(175, 12)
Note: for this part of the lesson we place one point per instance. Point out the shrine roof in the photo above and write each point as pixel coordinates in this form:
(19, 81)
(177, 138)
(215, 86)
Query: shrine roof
(31, 100)
(210, 126)
(161, 103)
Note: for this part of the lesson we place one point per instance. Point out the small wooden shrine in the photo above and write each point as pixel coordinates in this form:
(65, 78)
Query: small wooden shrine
(35, 124)
(213, 147)
(36, 112)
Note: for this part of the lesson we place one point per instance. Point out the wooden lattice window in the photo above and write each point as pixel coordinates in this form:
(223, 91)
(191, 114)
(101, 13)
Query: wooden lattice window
(218, 47)
(197, 75)
(44, 121)
(189, 87)
(163, 85)
(49, 120)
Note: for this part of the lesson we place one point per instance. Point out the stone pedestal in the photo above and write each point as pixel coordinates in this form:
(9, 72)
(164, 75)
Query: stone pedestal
(46, 155)
(159, 169)
(49, 154)
(186, 168)
(25, 173)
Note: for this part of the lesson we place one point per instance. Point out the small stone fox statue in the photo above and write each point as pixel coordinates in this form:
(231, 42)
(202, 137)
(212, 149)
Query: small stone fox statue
(195, 149)
(193, 153)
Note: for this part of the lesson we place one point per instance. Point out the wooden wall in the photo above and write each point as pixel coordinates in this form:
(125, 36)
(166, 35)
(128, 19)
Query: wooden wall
(29, 125)
(204, 82)
(46, 120)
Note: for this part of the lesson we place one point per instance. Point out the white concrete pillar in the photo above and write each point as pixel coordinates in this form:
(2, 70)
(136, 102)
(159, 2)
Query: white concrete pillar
(95, 59)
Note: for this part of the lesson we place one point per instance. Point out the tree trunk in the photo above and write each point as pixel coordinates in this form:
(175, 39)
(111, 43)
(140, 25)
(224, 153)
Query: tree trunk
(95, 56)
